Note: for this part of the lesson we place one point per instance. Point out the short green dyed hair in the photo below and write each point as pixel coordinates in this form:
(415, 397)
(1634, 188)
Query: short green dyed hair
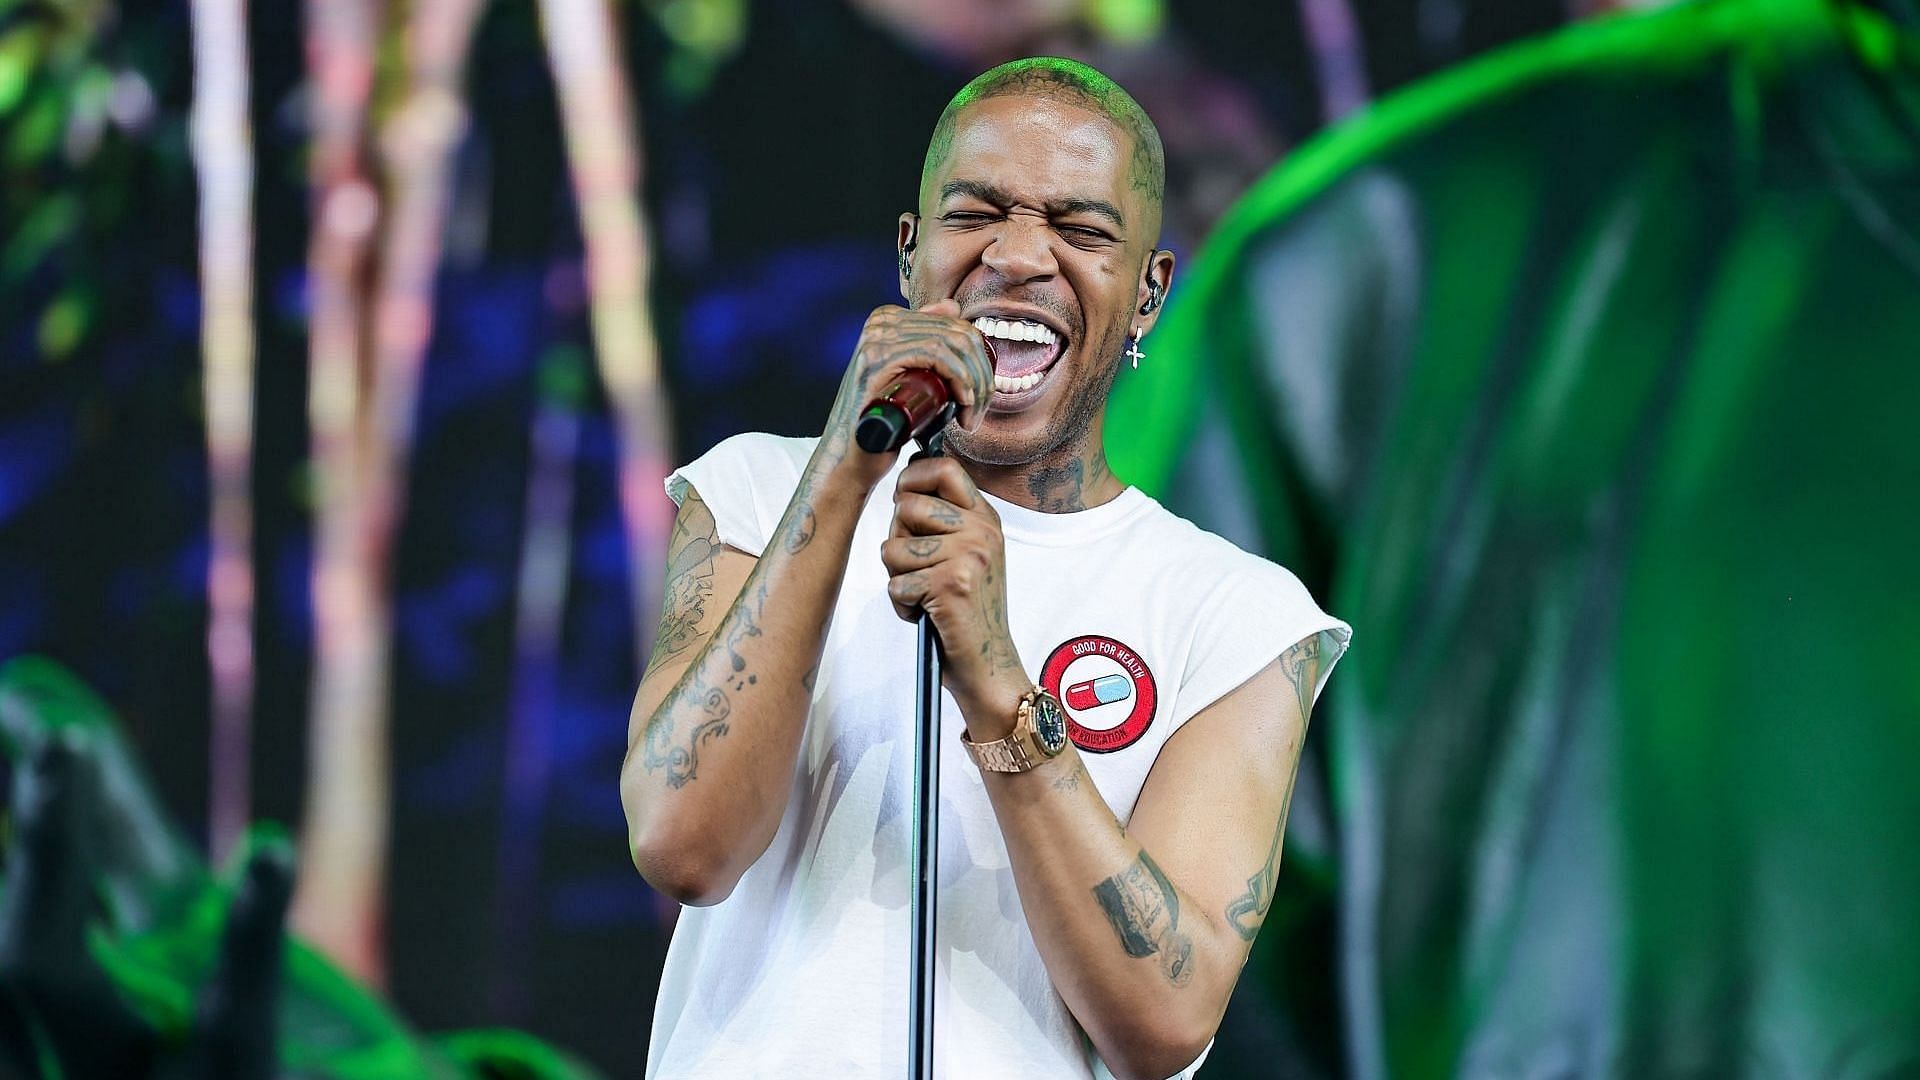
(1066, 80)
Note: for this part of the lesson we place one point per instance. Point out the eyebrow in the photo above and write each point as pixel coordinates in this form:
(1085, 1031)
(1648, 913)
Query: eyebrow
(1055, 208)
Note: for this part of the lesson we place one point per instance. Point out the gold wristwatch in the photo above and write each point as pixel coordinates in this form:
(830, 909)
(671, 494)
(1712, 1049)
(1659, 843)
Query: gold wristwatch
(1039, 732)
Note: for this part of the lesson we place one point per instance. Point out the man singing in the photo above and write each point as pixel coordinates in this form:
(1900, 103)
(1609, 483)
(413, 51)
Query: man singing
(1126, 695)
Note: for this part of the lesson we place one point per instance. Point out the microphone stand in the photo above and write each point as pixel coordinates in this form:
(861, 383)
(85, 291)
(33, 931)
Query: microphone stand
(926, 817)
(918, 406)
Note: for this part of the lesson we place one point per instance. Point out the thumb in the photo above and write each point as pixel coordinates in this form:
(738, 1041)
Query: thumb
(948, 307)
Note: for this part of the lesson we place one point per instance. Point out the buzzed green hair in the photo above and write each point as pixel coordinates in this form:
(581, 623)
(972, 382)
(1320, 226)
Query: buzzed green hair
(1067, 80)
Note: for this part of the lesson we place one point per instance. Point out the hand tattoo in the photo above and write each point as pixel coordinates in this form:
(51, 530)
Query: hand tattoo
(944, 513)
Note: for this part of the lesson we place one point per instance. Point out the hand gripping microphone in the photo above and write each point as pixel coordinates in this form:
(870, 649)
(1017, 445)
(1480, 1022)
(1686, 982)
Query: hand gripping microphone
(916, 406)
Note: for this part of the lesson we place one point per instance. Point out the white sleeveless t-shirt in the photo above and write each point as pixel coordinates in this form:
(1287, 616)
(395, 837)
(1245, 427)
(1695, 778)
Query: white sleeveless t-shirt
(1134, 617)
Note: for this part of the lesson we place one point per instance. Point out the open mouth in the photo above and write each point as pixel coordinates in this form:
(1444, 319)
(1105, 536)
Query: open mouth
(1023, 352)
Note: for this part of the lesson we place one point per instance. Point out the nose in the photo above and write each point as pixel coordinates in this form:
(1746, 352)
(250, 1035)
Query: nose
(1021, 252)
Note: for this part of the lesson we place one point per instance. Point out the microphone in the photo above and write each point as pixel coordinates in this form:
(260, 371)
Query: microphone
(916, 406)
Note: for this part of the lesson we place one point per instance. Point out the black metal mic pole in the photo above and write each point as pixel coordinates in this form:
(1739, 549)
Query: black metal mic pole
(926, 825)
(918, 406)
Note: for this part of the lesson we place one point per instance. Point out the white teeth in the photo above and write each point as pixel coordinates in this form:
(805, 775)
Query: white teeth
(1011, 385)
(1016, 330)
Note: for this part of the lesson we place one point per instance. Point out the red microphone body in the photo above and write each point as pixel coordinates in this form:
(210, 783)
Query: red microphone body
(916, 406)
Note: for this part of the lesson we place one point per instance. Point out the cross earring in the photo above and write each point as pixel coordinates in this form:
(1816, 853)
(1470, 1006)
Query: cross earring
(1133, 350)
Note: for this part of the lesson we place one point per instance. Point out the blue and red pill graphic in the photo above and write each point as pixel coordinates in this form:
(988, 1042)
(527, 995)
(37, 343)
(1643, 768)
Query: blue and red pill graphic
(1133, 683)
(1101, 691)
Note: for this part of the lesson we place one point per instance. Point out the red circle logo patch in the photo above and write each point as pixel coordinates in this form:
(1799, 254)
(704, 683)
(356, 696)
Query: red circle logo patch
(1107, 689)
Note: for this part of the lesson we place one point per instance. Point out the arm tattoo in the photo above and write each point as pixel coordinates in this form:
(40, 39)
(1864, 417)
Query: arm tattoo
(689, 587)
(802, 532)
(681, 759)
(799, 523)
(998, 650)
(1145, 912)
(1301, 663)
(1071, 781)
(690, 553)
(1249, 910)
(745, 624)
(812, 676)
(683, 762)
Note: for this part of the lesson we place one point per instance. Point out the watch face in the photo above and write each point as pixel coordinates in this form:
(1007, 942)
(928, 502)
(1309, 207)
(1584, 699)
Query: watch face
(1049, 724)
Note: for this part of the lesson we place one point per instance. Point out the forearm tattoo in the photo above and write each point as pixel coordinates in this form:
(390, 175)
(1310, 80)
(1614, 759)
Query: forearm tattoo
(710, 705)
(705, 692)
(1144, 910)
(1301, 663)
(799, 523)
(997, 650)
(681, 760)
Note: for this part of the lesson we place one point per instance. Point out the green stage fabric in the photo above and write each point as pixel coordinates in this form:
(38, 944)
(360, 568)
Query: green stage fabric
(119, 950)
(1583, 381)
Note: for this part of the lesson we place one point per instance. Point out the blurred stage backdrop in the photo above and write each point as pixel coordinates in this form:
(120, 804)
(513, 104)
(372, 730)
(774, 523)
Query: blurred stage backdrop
(343, 347)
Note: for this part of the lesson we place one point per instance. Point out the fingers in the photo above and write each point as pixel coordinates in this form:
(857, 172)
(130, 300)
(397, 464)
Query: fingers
(941, 476)
(936, 339)
(979, 361)
(924, 515)
(935, 495)
(976, 356)
(935, 547)
(905, 554)
(908, 591)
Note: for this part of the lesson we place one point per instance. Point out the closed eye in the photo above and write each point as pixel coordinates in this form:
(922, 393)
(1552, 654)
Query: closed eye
(1082, 236)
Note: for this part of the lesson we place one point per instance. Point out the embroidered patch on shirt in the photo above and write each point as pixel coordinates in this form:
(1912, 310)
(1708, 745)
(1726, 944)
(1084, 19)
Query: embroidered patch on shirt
(1108, 691)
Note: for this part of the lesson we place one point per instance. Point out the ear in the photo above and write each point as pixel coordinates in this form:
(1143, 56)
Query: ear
(1155, 283)
(903, 246)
